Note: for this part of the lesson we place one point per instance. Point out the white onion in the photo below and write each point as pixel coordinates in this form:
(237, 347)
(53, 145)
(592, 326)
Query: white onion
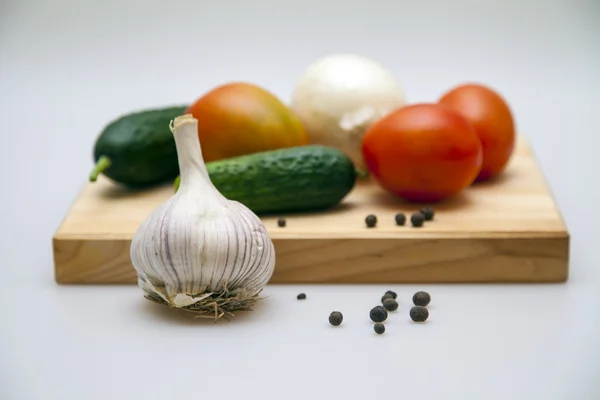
(340, 96)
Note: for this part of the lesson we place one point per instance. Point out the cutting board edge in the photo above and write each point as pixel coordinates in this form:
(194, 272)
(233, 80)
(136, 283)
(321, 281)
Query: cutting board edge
(533, 234)
(459, 260)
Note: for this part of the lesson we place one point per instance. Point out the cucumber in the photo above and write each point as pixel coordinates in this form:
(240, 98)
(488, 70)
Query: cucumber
(294, 179)
(138, 149)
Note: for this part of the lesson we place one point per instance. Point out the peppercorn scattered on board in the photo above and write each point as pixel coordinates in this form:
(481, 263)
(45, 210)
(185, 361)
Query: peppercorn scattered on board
(509, 230)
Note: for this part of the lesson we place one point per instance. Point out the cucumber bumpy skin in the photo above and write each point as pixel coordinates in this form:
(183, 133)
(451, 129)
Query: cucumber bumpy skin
(138, 149)
(296, 179)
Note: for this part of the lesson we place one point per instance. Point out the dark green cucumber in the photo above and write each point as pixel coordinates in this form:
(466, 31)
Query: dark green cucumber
(138, 149)
(295, 179)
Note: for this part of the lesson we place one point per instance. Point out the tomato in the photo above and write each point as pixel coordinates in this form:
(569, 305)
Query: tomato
(493, 121)
(241, 118)
(423, 152)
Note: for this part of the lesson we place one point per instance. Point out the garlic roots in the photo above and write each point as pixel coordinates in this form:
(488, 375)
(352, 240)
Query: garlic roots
(200, 251)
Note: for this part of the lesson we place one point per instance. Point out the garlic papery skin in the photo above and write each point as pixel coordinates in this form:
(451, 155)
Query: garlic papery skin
(199, 250)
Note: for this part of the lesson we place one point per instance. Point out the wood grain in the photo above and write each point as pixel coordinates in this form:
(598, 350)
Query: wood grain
(509, 230)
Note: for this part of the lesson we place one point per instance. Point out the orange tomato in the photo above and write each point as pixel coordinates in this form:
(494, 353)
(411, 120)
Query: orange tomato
(241, 118)
(493, 121)
(423, 152)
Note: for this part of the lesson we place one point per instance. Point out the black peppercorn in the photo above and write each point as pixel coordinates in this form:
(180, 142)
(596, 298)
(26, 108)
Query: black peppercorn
(281, 222)
(419, 314)
(390, 304)
(421, 299)
(336, 318)
(379, 328)
(400, 219)
(428, 213)
(378, 314)
(301, 296)
(417, 220)
(386, 296)
(392, 293)
(371, 220)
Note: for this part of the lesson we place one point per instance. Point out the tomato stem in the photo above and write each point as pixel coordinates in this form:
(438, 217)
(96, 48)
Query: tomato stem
(101, 165)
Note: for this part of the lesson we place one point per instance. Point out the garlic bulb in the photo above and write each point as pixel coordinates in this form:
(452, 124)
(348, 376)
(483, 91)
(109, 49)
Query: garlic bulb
(200, 251)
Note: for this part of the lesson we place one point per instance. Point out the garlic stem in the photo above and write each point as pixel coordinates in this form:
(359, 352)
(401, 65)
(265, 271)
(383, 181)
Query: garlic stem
(191, 162)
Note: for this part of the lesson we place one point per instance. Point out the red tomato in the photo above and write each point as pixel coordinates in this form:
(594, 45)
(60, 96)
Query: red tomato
(239, 118)
(423, 152)
(493, 122)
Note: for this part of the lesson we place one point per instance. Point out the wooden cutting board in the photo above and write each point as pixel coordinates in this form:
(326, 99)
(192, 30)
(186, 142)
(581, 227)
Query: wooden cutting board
(509, 230)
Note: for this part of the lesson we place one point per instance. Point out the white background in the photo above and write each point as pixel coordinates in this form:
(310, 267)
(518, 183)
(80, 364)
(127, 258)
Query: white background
(68, 67)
